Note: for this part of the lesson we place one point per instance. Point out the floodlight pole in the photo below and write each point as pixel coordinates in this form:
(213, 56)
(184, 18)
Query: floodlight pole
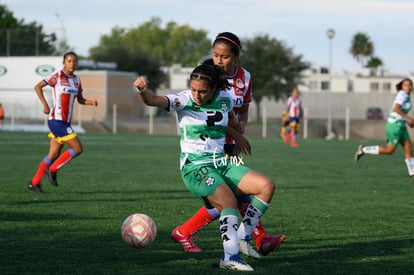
(330, 135)
(62, 32)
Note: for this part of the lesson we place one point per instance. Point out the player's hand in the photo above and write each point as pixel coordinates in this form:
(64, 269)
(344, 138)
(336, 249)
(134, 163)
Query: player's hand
(46, 109)
(410, 122)
(242, 146)
(141, 83)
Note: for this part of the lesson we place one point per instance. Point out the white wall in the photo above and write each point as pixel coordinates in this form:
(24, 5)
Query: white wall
(18, 76)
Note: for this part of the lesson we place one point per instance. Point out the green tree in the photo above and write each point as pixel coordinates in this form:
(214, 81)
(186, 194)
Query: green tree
(172, 45)
(275, 68)
(18, 38)
(373, 64)
(361, 48)
(185, 45)
(149, 46)
(113, 49)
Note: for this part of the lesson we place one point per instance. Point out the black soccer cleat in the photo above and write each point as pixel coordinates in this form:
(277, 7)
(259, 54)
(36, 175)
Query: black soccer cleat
(35, 188)
(52, 177)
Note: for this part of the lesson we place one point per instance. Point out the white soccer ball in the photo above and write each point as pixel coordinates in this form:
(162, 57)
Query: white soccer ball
(138, 230)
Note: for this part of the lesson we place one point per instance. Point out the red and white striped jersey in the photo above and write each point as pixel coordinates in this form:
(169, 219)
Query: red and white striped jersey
(241, 83)
(294, 107)
(241, 90)
(65, 89)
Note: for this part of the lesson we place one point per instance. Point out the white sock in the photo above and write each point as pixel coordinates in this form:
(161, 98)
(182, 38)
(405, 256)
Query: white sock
(250, 221)
(228, 231)
(371, 150)
(410, 166)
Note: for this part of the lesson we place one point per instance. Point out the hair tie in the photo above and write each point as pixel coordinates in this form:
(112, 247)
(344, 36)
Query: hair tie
(228, 39)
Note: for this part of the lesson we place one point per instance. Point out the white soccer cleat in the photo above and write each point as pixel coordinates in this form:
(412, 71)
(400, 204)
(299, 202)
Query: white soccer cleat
(359, 153)
(247, 249)
(235, 263)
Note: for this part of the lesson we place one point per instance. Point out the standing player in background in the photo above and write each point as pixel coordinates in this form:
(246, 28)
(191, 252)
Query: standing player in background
(226, 52)
(66, 88)
(295, 111)
(396, 129)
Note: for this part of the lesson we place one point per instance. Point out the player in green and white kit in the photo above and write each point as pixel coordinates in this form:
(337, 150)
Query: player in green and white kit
(204, 113)
(396, 129)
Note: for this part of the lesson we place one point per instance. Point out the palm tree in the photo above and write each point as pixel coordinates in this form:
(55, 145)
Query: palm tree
(361, 47)
(373, 64)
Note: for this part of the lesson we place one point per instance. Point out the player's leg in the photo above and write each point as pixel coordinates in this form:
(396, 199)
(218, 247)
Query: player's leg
(282, 132)
(284, 125)
(54, 150)
(289, 130)
(262, 188)
(224, 200)
(75, 149)
(295, 126)
(408, 152)
(183, 234)
(265, 243)
(393, 134)
(217, 194)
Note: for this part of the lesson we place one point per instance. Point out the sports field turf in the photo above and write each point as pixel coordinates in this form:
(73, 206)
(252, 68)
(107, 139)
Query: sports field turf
(339, 216)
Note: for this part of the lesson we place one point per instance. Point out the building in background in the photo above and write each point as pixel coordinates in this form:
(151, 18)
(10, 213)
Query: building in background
(351, 95)
(19, 75)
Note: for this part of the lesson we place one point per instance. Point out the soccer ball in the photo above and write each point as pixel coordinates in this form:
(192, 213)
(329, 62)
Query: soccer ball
(138, 230)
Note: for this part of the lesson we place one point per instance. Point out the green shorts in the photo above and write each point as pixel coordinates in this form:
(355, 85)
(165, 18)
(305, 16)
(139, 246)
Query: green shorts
(396, 133)
(203, 180)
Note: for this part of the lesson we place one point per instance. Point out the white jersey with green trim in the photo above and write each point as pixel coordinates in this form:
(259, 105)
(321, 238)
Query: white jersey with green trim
(202, 127)
(403, 99)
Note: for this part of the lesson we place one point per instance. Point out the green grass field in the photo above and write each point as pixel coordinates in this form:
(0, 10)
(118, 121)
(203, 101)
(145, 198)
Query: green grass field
(339, 216)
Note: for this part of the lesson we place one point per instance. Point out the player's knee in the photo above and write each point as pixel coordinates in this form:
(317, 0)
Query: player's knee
(268, 188)
(53, 155)
(77, 150)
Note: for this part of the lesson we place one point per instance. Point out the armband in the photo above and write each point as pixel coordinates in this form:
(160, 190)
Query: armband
(140, 90)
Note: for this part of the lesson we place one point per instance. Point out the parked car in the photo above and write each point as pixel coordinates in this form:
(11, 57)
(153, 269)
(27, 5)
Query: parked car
(374, 113)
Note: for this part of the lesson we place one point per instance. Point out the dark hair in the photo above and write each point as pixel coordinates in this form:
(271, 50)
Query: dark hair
(399, 84)
(230, 39)
(209, 61)
(214, 75)
(70, 53)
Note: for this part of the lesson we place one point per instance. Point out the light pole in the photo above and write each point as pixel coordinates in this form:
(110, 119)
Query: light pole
(330, 135)
(62, 34)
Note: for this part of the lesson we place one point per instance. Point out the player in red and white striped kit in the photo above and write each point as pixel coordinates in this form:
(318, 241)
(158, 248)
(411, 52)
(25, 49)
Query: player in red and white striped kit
(66, 87)
(295, 111)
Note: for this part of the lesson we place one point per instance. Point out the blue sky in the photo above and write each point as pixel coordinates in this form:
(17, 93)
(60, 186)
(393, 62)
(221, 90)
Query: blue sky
(301, 24)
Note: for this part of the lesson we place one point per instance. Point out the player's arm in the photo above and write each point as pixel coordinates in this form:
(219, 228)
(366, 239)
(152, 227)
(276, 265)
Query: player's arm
(39, 91)
(148, 97)
(243, 117)
(397, 109)
(287, 107)
(242, 144)
(84, 101)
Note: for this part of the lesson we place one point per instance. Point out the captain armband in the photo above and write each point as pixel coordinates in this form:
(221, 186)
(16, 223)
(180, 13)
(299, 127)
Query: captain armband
(140, 90)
